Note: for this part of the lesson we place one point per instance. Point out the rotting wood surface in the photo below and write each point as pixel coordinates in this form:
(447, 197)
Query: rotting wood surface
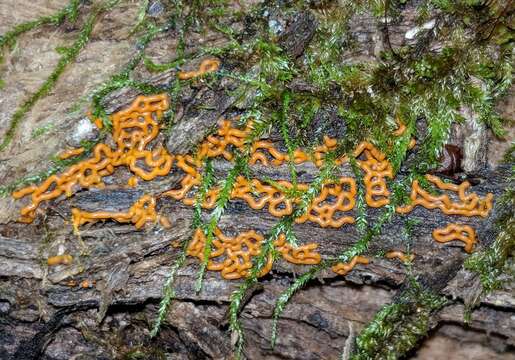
(40, 314)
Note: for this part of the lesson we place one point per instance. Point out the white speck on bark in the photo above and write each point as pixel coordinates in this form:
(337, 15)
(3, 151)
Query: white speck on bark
(475, 143)
(84, 130)
(412, 33)
(275, 26)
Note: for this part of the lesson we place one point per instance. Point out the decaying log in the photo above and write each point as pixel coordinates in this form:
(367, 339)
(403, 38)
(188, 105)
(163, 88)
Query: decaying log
(46, 312)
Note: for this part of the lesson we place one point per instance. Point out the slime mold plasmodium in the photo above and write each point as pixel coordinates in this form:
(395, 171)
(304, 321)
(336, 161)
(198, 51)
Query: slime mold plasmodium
(397, 254)
(345, 268)
(452, 232)
(70, 153)
(232, 256)
(134, 134)
(143, 211)
(206, 66)
(335, 197)
(65, 259)
(133, 130)
(468, 205)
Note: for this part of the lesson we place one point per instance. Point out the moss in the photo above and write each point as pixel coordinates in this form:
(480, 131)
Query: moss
(41, 130)
(144, 353)
(397, 328)
(410, 84)
(68, 55)
(491, 263)
(70, 12)
(157, 68)
(222, 201)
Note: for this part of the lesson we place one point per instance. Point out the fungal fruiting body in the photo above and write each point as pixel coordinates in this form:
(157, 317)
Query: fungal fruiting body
(345, 268)
(135, 132)
(452, 232)
(468, 205)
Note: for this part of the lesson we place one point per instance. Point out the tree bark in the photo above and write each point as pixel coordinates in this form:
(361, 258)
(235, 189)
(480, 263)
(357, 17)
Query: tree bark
(42, 316)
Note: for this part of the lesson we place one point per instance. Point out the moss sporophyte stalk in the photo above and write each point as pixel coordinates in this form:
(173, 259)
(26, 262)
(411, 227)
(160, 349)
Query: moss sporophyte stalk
(379, 105)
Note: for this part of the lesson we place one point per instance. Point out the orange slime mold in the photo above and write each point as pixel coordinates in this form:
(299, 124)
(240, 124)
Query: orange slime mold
(143, 211)
(165, 222)
(133, 130)
(302, 255)
(69, 153)
(345, 268)
(451, 232)
(236, 253)
(325, 212)
(86, 284)
(401, 128)
(60, 260)
(133, 181)
(396, 254)
(468, 205)
(207, 66)
(376, 168)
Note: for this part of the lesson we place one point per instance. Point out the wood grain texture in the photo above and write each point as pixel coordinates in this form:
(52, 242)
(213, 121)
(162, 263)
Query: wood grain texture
(41, 314)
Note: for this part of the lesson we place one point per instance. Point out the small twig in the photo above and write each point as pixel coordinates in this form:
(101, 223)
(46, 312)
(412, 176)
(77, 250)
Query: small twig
(503, 11)
(387, 32)
(348, 347)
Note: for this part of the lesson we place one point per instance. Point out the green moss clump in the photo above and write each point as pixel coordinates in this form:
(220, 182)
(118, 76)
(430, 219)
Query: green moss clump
(397, 328)
(490, 263)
